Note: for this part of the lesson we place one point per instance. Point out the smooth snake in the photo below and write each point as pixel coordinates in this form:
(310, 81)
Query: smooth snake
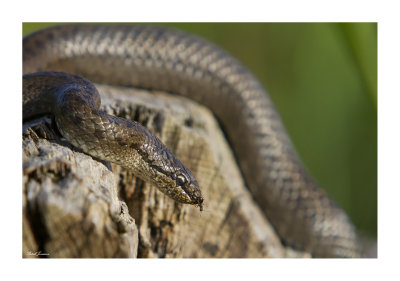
(164, 59)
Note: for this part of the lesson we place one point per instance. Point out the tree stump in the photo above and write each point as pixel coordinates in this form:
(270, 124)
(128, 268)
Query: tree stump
(77, 206)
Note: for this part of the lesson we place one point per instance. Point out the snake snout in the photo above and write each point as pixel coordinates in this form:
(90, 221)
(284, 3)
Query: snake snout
(192, 189)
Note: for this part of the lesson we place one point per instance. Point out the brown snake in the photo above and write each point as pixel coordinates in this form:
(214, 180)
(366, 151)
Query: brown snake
(163, 59)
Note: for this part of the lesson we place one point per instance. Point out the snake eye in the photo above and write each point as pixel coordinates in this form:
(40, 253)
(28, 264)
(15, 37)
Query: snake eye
(180, 180)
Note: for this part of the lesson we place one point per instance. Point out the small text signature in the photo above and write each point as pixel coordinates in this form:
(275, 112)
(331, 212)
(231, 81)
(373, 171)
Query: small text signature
(38, 253)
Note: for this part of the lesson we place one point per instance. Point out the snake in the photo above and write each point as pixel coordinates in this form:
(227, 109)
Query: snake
(58, 61)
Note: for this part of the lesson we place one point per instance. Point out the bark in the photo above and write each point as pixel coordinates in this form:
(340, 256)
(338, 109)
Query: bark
(78, 206)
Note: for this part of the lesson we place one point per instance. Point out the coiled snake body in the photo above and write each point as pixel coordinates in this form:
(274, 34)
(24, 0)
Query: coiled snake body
(163, 59)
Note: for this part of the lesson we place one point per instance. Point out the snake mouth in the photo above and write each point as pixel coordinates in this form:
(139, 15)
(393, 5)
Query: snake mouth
(200, 204)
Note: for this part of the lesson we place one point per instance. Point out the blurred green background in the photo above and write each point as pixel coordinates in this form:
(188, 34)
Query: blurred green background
(323, 79)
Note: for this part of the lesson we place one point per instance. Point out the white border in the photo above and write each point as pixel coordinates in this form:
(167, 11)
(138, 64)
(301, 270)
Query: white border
(205, 10)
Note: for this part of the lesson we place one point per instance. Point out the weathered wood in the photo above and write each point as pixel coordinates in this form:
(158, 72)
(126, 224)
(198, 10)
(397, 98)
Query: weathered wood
(71, 206)
(73, 203)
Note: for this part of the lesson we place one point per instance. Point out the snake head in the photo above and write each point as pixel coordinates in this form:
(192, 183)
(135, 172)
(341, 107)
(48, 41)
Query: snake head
(180, 186)
(162, 168)
(178, 182)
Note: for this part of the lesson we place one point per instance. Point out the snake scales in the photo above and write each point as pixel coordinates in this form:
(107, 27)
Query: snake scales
(169, 60)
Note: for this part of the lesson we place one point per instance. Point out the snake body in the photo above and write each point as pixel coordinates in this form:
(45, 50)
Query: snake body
(169, 60)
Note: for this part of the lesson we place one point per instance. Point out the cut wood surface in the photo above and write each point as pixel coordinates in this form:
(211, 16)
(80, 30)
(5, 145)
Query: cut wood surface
(77, 206)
